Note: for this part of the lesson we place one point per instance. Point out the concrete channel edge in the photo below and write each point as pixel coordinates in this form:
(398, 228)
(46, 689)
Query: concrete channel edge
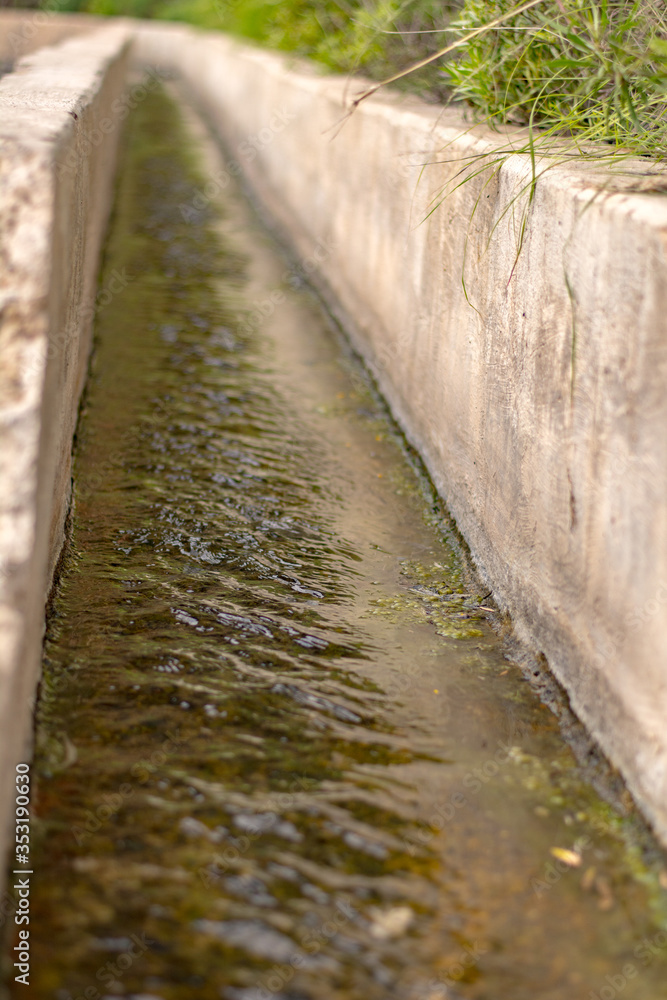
(58, 139)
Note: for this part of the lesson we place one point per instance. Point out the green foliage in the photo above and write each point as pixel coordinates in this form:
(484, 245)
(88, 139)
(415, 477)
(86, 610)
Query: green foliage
(130, 8)
(372, 36)
(591, 70)
(248, 18)
(376, 36)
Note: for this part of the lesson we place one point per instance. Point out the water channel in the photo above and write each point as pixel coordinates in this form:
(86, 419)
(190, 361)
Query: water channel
(279, 749)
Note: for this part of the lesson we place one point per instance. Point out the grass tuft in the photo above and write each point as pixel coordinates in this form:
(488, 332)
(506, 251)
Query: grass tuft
(595, 70)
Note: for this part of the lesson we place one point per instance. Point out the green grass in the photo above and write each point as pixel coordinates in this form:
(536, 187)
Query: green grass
(593, 71)
(588, 70)
(370, 36)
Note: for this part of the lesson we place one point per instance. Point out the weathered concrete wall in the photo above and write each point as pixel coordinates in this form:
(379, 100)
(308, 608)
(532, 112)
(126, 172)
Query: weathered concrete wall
(23, 32)
(540, 407)
(58, 138)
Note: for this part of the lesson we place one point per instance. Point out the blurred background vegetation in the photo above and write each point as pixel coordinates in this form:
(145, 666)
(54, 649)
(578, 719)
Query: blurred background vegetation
(592, 70)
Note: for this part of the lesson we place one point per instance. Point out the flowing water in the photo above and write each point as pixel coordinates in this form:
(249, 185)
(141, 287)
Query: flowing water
(280, 752)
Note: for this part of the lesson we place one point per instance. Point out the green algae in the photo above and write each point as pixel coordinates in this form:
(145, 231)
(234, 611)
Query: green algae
(437, 596)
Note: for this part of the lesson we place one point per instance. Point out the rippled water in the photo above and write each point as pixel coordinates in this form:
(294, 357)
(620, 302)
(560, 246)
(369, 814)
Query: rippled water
(279, 751)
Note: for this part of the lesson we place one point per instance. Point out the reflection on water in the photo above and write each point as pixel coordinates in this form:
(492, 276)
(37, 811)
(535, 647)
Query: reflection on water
(280, 753)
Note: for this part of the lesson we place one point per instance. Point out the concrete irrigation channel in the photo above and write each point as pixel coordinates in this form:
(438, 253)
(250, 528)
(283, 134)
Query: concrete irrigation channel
(362, 757)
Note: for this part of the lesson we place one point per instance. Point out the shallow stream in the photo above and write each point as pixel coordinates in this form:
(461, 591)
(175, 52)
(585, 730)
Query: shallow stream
(280, 752)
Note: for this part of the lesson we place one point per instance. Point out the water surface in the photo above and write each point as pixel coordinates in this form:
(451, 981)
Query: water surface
(280, 752)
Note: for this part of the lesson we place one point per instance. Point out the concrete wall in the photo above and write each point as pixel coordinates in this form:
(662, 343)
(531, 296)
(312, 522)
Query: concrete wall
(23, 32)
(540, 406)
(58, 138)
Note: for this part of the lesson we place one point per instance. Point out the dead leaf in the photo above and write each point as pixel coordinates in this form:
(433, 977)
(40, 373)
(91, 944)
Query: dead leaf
(571, 858)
